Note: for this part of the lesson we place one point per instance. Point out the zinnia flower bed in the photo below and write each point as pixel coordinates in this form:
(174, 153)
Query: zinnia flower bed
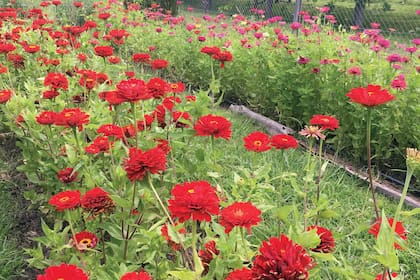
(140, 178)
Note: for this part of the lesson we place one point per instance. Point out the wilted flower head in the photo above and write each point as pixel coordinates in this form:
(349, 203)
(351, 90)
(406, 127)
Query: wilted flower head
(312, 131)
(413, 159)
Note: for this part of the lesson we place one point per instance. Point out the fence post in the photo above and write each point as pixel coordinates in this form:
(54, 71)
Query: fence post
(298, 8)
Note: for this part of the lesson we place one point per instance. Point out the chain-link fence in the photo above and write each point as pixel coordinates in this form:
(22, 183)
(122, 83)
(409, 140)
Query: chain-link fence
(397, 17)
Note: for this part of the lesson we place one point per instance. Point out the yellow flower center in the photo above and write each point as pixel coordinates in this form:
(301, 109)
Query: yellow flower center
(68, 114)
(32, 47)
(191, 191)
(174, 86)
(85, 241)
(64, 199)
(284, 140)
(258, 143)
(325, 120)
(371, 93)
(238, 213)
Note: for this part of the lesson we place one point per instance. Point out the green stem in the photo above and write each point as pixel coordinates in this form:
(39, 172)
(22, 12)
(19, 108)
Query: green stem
(318, 179)
(149, 179)
(102, 241)
(410, 172)
(133, 111)
(244, 244)
(369, 160)
(305, 184)
(77, 140)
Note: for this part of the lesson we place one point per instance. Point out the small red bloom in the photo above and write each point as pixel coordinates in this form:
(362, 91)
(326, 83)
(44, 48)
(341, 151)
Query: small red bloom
(111, 130)
(56, 81)
(84, 240)
(132, 90)
(46, 117)
(103, 51)
(7, 47)
(31, 48)
(139, 163)
(240, 274)
(141, 57)
(100, 144)
(164, 232)
(63, 272)
(5, 95)
(72, 117)
(325, 122)
(157, 87)
(176, 87)
(327, 244)
(159, 64)
(399, 229)
(208, 254)
(97, 201)
(50, 94)
(136, 276)
(281, 258)
(216, 126)
(370, 96)
(257, 142)
(77, 4)
(240, 214)
(284, 141)
(223, 57)
(104, 16)
(67, 175)
(65, 200)
(210, 50)
(195, 200)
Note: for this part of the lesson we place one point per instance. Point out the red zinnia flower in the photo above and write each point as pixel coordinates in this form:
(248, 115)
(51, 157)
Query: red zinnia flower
(327, 244)
(5, 95)
(104, 16)
(111, 130)
(97, 201)
(56, 81)
(65, 200)
(207, 255)
(195, 200)
(282, 259)
(257, 142)
(240, 274)
(72, 117)
(164, 232)
(223, 57)
(16, 59)
(284, 141)
(141, 57)
(78, 4)
(84, 240)
(139, 163)
(31, 48)
(46, 117)
(7, 47)
(399, 229)
(67, 175)
(325, 122)
(159, 64)
(50, 94)
(100, 144)
(216, 126)
(132, 90)
(240, 214)
(370, 96)
(157, 87)
(103, 51)
(210, 50)
(63, 272)
(136, 276)
(176, 87)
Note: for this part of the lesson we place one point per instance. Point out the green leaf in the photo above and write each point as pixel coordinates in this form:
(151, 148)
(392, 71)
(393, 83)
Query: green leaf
(183, 275)
(308, 239)
(283, 212)
(410, 213)
(385, 245)
(324, 256)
